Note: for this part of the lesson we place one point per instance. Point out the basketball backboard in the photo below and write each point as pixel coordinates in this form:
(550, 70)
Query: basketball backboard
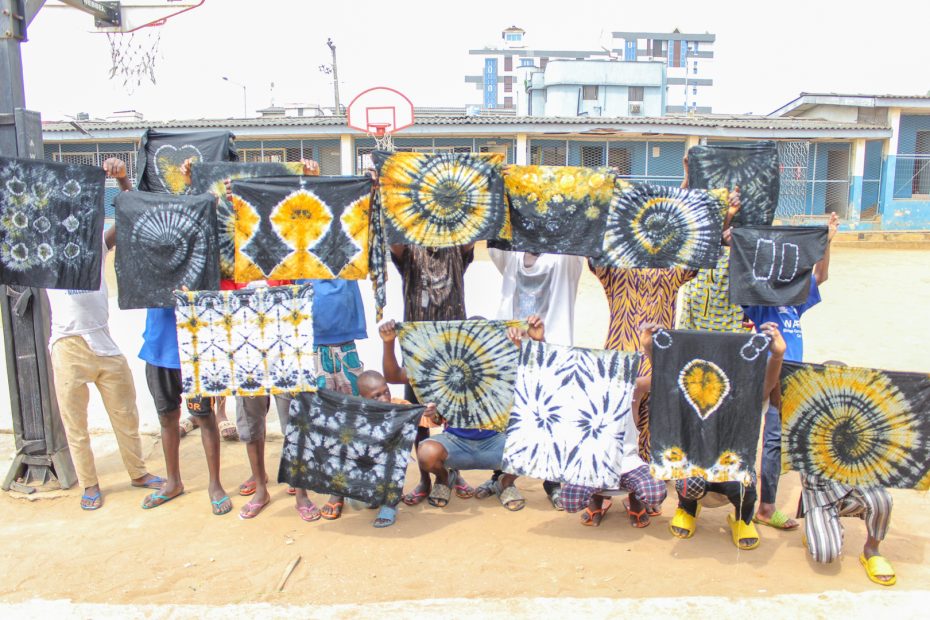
(380, 111)
(134, 15)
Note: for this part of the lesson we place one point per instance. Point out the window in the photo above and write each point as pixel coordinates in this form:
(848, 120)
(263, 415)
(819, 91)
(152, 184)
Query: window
(694, 70)
(513, 36)
(543, 62)
(508, 84)
(658, 48)
(589, 93)
(547, 155)
(508, 63)
(636, 93)
(508, 102)
(526, 62)
(592, 155)
(619, 159)
(260, 155)
(694, 90)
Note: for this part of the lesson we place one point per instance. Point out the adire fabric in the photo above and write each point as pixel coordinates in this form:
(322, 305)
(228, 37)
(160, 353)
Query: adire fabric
(706, 404)
(558, 209)
(336, 444)
(468, 368)
(571, 407)
(706, 300)
(659, 227)
(377, 256)
(772, 265)
(51, 224)
(856, 426)
(162, 153)
(211, 177)
(754, 168)
(249, 342)
(442, 199)
(164, 243)
(290, 228)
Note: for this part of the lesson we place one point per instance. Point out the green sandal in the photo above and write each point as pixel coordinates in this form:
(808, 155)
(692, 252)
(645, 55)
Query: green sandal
(779, 521)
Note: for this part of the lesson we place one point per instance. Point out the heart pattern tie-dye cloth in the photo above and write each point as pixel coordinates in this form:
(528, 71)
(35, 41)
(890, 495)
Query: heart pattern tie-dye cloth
(856, 426)
(162, 153)
(706, 404)
(336, 444)
(754, 168)
(249, 342)
(571, 408)
(164, 243)
(442, 199)
(51, 224)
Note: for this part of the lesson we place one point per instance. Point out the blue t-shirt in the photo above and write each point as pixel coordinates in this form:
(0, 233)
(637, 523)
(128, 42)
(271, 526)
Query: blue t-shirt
(475, 434)
(160, 339)
(338, 312)
(788, 319)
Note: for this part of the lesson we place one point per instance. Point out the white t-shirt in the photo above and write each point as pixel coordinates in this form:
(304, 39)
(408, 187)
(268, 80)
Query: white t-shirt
(547, 288)
(85, 314)
(631, 459)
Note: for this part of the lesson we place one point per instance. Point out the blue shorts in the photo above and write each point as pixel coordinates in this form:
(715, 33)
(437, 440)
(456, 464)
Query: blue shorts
(472, 453)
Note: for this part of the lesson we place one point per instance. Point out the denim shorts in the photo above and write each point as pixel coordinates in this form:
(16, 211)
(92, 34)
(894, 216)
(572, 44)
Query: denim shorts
(472, 453)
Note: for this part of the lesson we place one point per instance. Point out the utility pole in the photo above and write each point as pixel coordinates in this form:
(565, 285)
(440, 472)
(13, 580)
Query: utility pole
(331, 70)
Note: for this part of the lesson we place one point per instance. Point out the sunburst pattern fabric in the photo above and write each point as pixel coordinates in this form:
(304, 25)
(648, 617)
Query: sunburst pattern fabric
(211, 177)
(336, 444)
(558, 209)
(249, 342)
(468, 368)
(857, 426)
(653, 226)
(164, 243)
(753, 167)
(571, 409)
(706, 405)
(706, 300)
(442, 199)
(162, 153)
(51, 224)
(291, 228)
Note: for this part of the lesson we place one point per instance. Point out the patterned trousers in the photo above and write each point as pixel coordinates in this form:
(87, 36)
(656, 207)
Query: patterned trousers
(639, 482)
(822, 525)
(691, 490)
(338, 367)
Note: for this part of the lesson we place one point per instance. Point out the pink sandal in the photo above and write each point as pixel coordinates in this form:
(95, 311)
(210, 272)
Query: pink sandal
(309, 513)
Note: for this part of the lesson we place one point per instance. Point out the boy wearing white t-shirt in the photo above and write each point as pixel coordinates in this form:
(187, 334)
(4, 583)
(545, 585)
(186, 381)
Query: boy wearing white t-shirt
(83, 352)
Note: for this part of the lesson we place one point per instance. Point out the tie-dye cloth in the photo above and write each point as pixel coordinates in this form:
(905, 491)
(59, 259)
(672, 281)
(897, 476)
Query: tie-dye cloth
(51, 224)
(468, 368)
(442, 199)
(163, 243)
(571, 407)
(706, 404)
(654, 226)
(856, 426)
(162, 153)
(753, 167)
(292, 228)
(250, 342)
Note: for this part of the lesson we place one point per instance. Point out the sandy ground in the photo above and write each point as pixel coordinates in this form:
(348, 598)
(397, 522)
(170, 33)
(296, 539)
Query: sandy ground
(873, 314)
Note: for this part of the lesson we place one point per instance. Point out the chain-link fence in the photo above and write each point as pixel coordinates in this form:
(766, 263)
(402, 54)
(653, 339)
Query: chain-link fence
(365, 146)
(872, 181)
(912, 176)
(653, 161)
(793, 182)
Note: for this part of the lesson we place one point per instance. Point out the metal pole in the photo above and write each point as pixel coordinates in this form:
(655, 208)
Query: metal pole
(332, 48)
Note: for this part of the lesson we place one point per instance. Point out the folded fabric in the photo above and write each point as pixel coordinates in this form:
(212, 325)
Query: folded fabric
(442, 199)
(162, 153)
(660, 227)
(291, 228)
(772, 265)
(377, 256)
(856, 426)
(706, 404)
(164, 243)
(558, 209)
(211, 177)
(249, 342)
(337, 444)
(754, 168)
(571, 408)
(468, 368)
(51, 224)
(706, 300)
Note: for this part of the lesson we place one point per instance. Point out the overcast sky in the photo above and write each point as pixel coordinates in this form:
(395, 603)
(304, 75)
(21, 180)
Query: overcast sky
(765, 53)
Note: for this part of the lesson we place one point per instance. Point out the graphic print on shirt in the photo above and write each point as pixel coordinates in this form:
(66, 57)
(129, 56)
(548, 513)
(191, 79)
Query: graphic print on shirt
(51, 224)
(754, 168)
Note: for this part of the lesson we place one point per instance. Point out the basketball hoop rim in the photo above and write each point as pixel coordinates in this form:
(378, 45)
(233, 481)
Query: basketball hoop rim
(367, 90)
(161, 21)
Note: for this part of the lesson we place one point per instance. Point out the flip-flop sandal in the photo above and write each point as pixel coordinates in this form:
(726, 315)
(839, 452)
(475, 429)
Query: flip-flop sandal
(309, 513)
(386, 517)
(96, 501)
(654, 511)
(252, 509)
(185, 426)
(511, 499)
(217, 506)
(249, 487)
(779, 521)
(336, 508)
(161, 499)
(593, 518)
(225, 427)
(464, 490)
(291, 491)
(555, 498)
(415, 497)
(877, 566)
(155, 482)
(637, 519)
(485, 490)
(440, 495)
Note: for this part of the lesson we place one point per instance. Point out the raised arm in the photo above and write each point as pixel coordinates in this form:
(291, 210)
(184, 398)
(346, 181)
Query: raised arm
(777, 349)
(116, 169)
(822, 268)
(393, 372)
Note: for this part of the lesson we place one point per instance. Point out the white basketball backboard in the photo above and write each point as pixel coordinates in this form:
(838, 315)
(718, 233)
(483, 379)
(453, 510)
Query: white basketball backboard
(379, 111)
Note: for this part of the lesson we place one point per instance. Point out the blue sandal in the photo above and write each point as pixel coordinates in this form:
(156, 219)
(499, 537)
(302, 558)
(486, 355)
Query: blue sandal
(386, 517)
(161, 499)
(155, 483)
(93, 499)
(219, 502)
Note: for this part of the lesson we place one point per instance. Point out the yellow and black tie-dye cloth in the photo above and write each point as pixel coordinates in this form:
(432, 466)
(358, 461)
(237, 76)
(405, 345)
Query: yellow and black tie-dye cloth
(468, 368)
(856, 426)
(291, 228)
(162, 153)
(558, 209)
(705, 408)
(442, 199)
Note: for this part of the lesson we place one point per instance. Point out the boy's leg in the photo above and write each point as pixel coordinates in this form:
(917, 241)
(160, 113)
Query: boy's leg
(876, 504)
(118, 393)
(743, 499)
(73, 369)
(822, 530)
(165, 387)
(690, 491)
(646, 493)
(771, 470)
(251, 427)
(202, 410)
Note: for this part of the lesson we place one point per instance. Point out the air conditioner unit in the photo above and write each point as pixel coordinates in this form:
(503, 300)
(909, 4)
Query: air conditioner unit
(636, 107)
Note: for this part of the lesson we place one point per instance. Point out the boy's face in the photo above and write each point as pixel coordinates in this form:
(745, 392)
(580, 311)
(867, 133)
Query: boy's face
(378, 391)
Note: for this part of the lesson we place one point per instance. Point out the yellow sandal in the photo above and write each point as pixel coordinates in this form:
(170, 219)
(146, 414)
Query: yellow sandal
(682, 520)
(740, 530)
(877, 566)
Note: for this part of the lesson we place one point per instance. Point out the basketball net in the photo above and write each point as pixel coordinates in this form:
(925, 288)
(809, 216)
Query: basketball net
(384, 142)
(133, 56)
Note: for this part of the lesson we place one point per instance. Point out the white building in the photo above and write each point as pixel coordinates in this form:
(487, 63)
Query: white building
(596, 88)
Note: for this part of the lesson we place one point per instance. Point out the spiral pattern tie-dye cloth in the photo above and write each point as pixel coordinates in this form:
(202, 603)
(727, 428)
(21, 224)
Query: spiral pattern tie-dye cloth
(51, 224)
(442, 199)
(856, 426)
(250, 342)
(754, 168)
